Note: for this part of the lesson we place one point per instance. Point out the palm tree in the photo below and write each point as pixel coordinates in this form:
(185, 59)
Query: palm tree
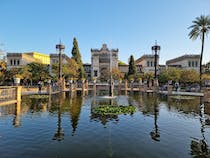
(200, 28)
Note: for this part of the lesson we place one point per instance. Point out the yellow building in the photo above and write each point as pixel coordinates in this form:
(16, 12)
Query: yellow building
(15, 60)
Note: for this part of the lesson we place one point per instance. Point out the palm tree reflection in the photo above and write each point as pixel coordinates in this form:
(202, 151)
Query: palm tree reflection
(199, 148)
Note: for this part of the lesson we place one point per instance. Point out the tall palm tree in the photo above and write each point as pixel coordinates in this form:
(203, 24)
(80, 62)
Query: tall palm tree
(200, 28)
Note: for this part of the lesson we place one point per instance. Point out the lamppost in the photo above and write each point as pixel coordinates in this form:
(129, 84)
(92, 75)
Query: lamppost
(60, 48)
(156, 50)
(155, 135)
(111, 82)
(59, 134)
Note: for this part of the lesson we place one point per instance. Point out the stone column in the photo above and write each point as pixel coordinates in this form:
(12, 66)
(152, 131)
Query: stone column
(145, 86)
(71, 87)
(86, 86)
(140, 85)
(94, 87)
(63, 85)
(170, 88)
(150, 84)
(16, 120)
(132, 82)
(207, 95)
(156, 86)
(119, 87)
(18, 93)
(126, 87)
(49, 87)
(83, 87)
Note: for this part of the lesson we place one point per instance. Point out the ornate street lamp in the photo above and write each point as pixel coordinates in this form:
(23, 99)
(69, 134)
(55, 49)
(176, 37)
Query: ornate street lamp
(156, 50)
(59, 134)
(60, 48)
(155, 135)
(111, 79)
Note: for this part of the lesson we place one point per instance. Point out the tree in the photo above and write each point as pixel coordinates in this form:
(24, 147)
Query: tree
(148, 76)
(207, 68)
(3, 68)
(174, 74)
(132, 67)
(70, 69)
(38, 71)
(189, 76)
(121, 63)
(200, 28)
(117, 74)
(26, 73)
(77, 57)
(163, 77)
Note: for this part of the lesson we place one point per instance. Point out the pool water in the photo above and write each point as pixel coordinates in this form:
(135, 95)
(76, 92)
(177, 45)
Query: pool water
(65, 126)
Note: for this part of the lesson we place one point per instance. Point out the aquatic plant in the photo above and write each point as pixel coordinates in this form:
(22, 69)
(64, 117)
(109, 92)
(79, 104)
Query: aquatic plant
(114, 110)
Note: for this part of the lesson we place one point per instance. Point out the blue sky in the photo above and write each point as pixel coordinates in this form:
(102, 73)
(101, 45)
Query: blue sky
(132, 26)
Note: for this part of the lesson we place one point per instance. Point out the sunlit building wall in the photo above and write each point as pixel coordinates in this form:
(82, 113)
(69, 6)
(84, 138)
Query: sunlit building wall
(16, 60)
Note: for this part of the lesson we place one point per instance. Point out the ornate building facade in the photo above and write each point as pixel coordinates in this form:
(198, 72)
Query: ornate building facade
(103, 60)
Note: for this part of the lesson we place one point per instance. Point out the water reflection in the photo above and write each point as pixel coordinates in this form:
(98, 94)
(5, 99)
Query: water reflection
(103, 118)
(62, 113)
(16, 120)
(149, 105)
(155, 135)
(187, 105)
(75, 110)
(199, 148)
(207, 114)
(59, 134)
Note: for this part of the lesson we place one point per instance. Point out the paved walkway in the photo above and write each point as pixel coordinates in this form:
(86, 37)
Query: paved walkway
(37, 92)
(199, 94)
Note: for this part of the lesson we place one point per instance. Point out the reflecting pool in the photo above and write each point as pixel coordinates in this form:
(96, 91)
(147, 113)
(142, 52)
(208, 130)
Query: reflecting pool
(65, 126)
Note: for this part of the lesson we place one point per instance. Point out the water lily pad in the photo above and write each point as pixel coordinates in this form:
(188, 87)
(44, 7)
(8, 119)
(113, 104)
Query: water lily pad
(114, 110)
